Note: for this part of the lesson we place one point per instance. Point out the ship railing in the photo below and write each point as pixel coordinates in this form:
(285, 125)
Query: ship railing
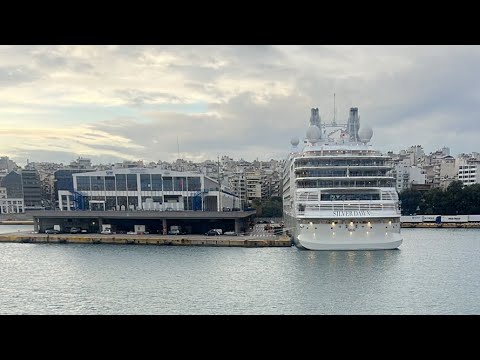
(328, 207)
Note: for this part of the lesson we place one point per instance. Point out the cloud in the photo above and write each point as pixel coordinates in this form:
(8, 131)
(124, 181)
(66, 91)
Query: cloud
(243, 101)
(10, 75)
(137, 97)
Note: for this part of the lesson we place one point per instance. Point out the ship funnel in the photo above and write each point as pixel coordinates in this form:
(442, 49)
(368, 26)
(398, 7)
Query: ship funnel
(315, 118)
(353, 124)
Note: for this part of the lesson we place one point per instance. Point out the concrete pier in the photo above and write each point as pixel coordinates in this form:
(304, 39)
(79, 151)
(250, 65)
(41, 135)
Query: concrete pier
(175, 240)
(467, 225)
(16, 222)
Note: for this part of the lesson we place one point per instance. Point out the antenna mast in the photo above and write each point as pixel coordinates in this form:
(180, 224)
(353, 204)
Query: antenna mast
(334, 122)
(178, 149)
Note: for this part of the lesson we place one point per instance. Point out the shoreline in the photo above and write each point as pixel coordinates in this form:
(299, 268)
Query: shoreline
(16, 222)
(193, 240)
(441, 225)
(402, 225)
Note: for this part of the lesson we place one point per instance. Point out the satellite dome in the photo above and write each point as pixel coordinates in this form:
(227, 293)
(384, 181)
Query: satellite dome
(313, 134)
(365, 133)
(294, 141)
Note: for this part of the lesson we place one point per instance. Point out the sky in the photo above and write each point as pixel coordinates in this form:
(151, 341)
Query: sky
(117, 102)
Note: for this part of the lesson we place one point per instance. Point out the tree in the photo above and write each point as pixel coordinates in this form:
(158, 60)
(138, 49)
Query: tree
(455, 202)
(272, 207)
(410, 201)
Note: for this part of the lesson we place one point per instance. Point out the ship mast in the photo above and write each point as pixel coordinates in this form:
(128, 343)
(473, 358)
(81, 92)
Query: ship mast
(334, 123)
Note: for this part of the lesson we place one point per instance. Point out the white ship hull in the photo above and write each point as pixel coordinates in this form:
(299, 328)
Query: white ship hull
(339, 192)
(379, 235)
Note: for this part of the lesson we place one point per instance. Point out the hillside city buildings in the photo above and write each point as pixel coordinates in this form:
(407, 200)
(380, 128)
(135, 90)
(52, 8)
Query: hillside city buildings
(45, 185)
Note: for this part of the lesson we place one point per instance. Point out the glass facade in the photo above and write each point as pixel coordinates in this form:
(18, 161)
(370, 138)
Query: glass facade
(345, 183)
(194, 183)
(339, 162)
(341, 173)
(64, 179)
(83, 183)
(156, 182)
(180, 183)
(110, 203)
(132, 201)
(13, 182)
(121, 181)
(112, 188)
(354, 196)
(122, 201)
(110, 183)
(167, 183)
(97, 183)
(132, 182)
(145, 182)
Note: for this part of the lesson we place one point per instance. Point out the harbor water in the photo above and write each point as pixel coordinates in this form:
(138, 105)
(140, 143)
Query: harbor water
(435, 271)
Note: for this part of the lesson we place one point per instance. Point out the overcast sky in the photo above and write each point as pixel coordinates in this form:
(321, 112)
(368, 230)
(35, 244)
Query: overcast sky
(112, 103)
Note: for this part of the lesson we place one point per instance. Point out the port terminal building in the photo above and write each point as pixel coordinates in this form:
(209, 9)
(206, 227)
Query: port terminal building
(154, 198)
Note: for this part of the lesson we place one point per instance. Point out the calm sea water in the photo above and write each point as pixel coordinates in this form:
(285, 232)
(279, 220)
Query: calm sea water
(435, 271)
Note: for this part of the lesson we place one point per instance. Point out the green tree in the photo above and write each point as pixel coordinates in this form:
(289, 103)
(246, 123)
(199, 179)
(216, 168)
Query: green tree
(272, 207)
(455, 201)
(434, 202)
(410, 201)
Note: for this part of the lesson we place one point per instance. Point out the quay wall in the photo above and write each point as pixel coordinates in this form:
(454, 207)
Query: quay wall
(231, 241)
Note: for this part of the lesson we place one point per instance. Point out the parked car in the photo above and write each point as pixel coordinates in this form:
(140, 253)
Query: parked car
(231, 233)
(174, 232)
(52, 231)
(212, 232)
(169, 209)
(75, 230)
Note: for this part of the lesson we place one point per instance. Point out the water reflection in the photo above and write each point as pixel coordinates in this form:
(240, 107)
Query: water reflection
(352, 258)
(434, 272)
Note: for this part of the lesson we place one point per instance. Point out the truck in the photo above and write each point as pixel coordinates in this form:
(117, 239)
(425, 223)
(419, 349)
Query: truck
(175, 230)
(106, 229)
(139, 229)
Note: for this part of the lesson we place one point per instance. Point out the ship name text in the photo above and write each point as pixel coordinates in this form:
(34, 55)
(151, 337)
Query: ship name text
(347, 213)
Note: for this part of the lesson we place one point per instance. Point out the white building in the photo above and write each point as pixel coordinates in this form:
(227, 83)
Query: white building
(7, 164)
(10, 206)
(151, 189)
(238, 184)
(445, 171)
(406, 175)
(253, 184)
(468, 170)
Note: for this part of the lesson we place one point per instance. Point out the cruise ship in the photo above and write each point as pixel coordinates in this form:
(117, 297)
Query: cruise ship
(337, 193)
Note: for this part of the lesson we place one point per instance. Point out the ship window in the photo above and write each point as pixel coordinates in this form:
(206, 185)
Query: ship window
(349, 196)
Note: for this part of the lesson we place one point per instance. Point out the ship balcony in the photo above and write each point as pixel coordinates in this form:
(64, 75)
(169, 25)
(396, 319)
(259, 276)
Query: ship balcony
(332, 209)
(350, 167)
(355, 177)
(340, 154)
